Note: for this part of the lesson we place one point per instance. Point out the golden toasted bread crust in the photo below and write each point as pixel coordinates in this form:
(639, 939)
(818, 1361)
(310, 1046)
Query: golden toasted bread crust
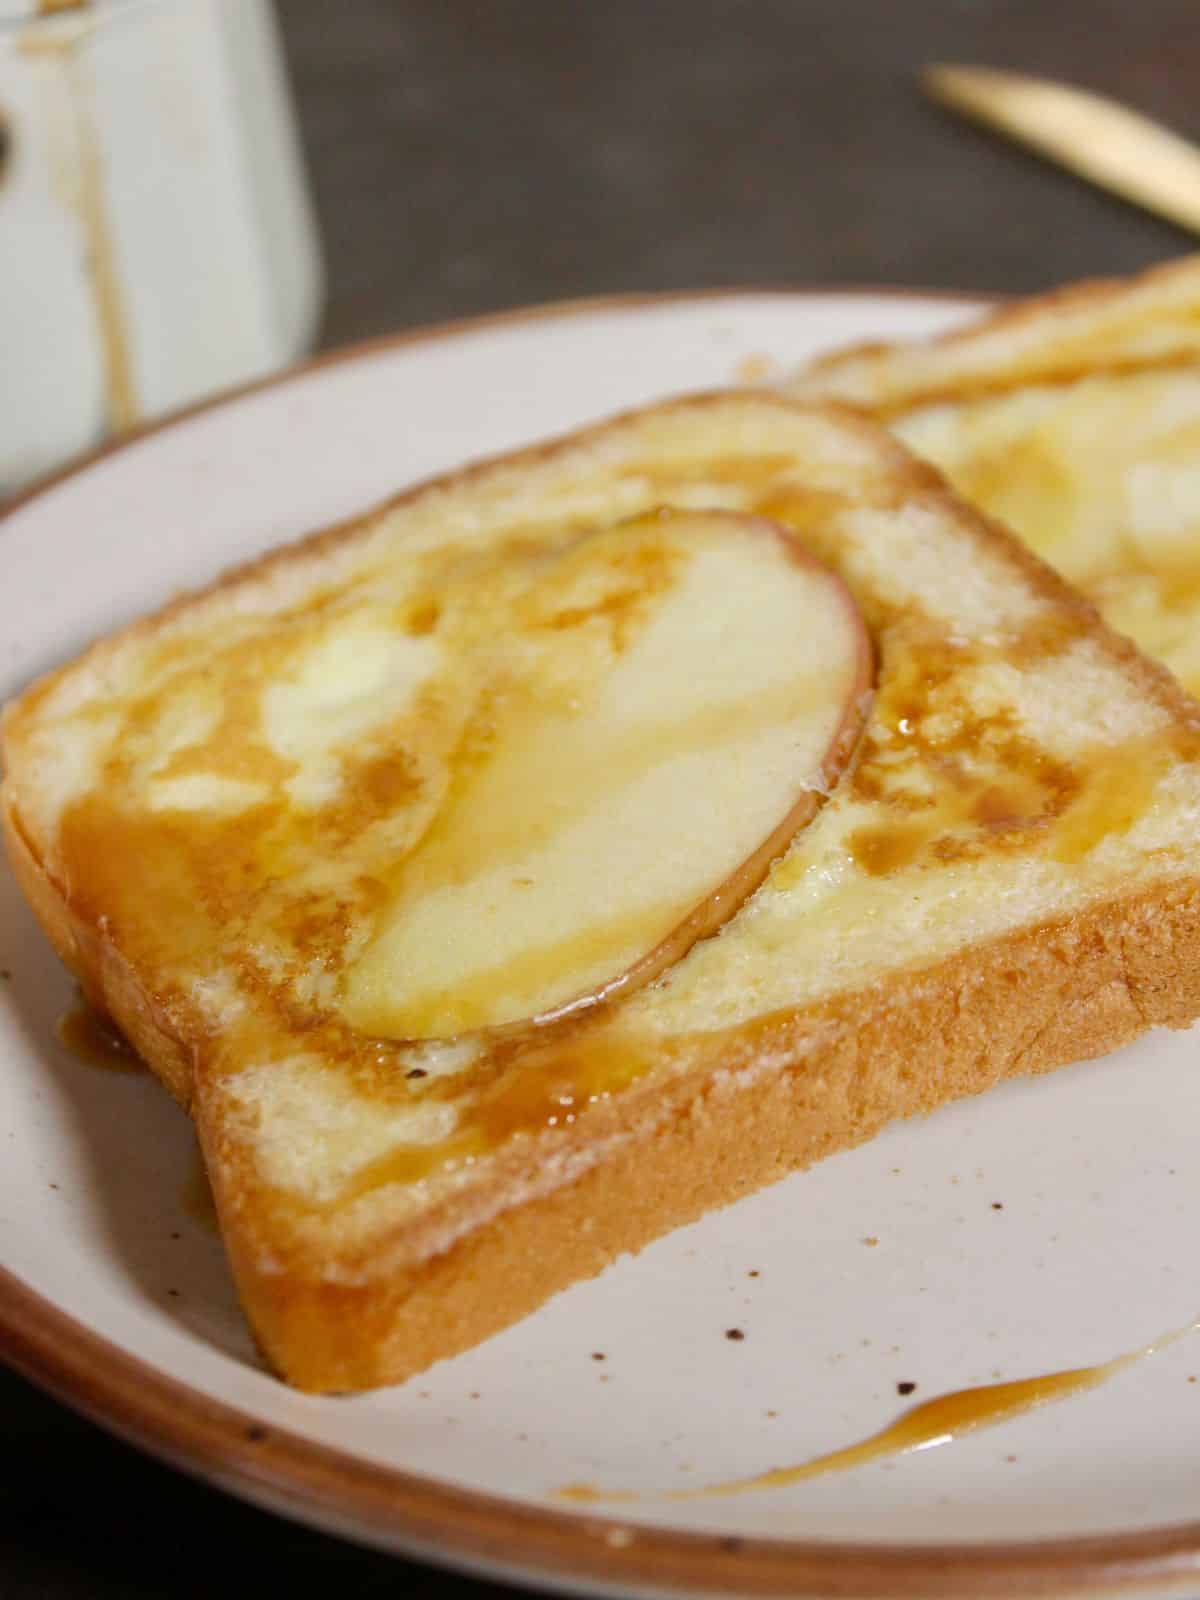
(757, 1101)
(1027, 1003)
(853, 372)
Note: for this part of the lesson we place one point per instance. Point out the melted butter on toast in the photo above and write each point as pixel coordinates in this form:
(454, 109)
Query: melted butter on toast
(1102, 478)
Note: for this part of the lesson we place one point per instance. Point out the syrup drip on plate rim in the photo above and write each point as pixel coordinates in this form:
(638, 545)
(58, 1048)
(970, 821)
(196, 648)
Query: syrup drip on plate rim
(934, 1422)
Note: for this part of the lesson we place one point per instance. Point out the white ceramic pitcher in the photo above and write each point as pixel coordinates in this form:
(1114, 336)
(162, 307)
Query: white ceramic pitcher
(156, 240)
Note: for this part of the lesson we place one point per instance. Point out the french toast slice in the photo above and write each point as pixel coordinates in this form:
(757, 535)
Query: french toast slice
(1074, 417)
(199, 809)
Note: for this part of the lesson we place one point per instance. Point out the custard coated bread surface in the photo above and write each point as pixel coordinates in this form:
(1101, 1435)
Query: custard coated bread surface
(1073, 417)
(735, 678)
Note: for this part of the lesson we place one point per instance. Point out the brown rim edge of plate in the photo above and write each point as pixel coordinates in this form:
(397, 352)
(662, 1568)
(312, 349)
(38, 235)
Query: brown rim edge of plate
(407, 1514)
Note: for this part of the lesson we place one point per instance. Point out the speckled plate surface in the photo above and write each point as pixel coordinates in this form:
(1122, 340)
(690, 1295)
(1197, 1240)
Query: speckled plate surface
(1050, 1224)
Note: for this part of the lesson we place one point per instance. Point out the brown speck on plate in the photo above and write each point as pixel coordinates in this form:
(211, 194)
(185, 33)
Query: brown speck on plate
(906, 1387)
(871, 1240)
(754, 1273)
(598, 1355)
(997, 1205)
(734, 1333)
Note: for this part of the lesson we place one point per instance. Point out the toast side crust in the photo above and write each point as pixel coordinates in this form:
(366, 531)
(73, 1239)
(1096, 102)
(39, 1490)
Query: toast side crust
(1023, 1004)
(865, 374)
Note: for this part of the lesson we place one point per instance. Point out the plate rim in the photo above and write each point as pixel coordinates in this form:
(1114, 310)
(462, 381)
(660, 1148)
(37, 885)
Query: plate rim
(408, 1513)
(459, 327)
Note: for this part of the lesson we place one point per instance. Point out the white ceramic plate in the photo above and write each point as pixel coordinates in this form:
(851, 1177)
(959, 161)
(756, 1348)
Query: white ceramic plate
(1049, 1225)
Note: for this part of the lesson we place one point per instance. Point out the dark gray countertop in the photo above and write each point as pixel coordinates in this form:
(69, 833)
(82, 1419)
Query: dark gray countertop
(468, 155)
(474, 154)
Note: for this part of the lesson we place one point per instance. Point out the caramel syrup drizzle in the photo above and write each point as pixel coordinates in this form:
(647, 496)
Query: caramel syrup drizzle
(93, 1039)
(935, 1422)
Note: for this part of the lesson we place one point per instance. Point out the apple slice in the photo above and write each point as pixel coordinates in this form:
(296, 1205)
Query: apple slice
(669, 701)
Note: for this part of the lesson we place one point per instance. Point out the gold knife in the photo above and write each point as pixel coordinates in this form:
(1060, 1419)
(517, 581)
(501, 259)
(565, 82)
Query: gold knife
(1090, 135)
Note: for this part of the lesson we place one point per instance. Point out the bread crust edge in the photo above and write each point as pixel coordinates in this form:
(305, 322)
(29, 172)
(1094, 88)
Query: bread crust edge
(1025, 1003)
(1092, 293)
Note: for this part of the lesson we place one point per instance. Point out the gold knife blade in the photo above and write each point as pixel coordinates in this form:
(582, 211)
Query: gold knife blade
(1097, 138)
